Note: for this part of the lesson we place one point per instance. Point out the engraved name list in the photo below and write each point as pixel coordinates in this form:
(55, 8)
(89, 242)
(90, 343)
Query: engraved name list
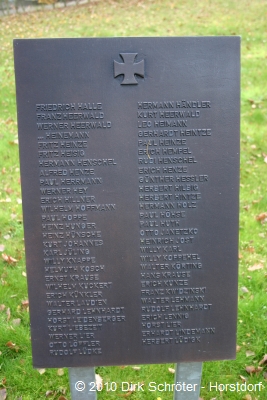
(77, 307)
(129, 154)
(169, 188)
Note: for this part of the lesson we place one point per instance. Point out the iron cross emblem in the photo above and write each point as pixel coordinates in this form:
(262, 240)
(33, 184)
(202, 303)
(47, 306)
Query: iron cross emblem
(129, 68)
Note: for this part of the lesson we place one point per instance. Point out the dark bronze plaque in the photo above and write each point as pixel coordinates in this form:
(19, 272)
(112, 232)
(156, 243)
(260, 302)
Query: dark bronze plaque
(129, 154)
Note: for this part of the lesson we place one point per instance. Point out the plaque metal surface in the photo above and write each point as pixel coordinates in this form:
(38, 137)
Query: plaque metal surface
(129, 152)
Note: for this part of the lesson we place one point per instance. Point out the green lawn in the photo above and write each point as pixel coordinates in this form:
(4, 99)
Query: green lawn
(142, 18)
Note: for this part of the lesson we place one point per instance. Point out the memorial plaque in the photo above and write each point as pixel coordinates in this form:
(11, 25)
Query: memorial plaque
(129, 151)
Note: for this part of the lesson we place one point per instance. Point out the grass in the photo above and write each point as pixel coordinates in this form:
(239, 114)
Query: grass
(141, 18)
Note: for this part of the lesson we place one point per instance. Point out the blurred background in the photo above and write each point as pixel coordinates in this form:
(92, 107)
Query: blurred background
(106, 18)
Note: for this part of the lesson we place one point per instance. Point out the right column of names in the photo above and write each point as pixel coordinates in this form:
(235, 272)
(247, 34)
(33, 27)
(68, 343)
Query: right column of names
(170, 185)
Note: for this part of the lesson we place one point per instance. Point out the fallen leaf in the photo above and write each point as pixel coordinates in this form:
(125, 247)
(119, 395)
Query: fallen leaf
(242, 378)
(255, 267)
(60, 372)
(247, 397)
(41, 370)
(253, 370)
(3, 394)
(8, 190)
(15, 141)
(238, 348)
(25, 303)
(49, 393)
(16, 321)
(250, 353)
(136, 368)
(24, 274)
(8, 313)
(2, 307)
(98, 382)
(62, 398)
(250, 369)
(12, 346)
(7, 237)
(2, 247)
(171, 370)
(250, 249)
(244, 289)
(256, 201)
(264, 360)
(9, 259)
(261, 217)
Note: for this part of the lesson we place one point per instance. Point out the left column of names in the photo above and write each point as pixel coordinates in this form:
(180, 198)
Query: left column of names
(69, 175)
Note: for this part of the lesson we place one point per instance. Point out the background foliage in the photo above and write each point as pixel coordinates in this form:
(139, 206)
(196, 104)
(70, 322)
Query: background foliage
(18, 380)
